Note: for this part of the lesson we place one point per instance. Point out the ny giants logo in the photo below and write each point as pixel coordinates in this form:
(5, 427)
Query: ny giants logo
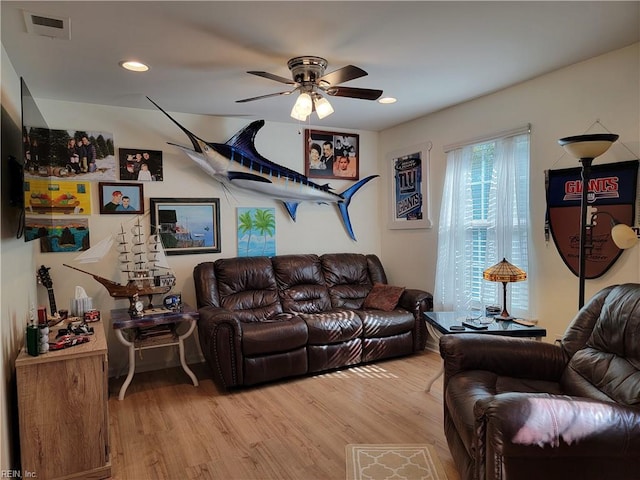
(604, 187)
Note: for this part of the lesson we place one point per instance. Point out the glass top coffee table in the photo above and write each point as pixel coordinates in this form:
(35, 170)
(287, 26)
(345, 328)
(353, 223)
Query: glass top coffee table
(440, 323)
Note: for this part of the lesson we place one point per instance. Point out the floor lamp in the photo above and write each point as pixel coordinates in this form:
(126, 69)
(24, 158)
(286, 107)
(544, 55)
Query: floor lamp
(585, 148)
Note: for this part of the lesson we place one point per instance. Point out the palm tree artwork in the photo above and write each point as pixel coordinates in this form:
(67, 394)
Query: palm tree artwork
(256, 232)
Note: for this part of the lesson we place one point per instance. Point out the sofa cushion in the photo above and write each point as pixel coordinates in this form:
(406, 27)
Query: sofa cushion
(386, 347)
(282, 333)
(328, 357)
(334, 326)
(347, 277)
(383, 297)
(247, 285)
(378, 324)
(301, 283)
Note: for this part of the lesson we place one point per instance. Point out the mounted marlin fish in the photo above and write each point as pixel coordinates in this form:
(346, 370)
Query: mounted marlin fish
(238, 163)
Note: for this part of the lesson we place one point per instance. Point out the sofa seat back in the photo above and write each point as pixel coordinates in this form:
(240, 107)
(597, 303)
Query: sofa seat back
(301, 283)
(247, 286)
(607, 367)
(348, 279)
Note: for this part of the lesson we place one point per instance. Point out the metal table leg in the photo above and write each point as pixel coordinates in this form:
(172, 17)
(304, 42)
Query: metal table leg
(132, 363)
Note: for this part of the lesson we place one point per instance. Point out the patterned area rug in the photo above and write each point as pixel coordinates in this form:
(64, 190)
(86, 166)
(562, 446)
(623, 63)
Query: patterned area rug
(399, 462)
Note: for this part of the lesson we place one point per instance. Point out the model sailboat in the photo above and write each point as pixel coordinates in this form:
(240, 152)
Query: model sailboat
(142, 263)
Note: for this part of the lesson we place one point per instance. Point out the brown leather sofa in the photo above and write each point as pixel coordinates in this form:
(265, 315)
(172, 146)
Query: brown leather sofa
(521, 409)
(263, 319)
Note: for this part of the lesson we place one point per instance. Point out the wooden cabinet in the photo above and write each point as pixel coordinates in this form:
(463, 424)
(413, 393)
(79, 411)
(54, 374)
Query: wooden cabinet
(63, 411)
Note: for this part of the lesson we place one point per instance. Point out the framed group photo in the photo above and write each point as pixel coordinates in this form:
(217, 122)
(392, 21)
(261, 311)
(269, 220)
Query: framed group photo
(121, 198)
(186, 225)
(410, 206)
(331, 155)
(142, 165)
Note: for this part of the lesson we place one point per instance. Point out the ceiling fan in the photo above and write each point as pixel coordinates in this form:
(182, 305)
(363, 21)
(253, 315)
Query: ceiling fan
(309, 79)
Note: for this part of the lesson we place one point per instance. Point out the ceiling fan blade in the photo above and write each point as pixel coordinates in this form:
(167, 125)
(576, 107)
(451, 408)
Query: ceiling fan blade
(272, 76)
(251, 99)
(361, 93)
(344, 74)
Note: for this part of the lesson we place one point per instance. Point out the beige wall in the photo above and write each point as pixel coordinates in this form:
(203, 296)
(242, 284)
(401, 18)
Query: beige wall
(562, 103)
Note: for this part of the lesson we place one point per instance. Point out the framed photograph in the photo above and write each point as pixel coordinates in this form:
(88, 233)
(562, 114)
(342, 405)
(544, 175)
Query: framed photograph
(331, 155)
(187, 225)
(140, 164)
(81, 155)
(121, 198)
(410, 206)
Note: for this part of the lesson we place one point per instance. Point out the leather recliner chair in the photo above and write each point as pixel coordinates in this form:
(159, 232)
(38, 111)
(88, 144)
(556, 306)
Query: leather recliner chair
(520, 409)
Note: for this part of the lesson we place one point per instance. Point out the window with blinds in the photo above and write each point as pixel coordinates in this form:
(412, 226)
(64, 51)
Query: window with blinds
(484, 218)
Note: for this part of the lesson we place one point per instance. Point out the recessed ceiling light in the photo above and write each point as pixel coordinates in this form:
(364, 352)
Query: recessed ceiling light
(387, 100)
(134, 66)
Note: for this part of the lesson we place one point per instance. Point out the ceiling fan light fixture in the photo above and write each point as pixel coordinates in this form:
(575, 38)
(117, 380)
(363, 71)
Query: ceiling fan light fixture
(323, 107)
(302, 108)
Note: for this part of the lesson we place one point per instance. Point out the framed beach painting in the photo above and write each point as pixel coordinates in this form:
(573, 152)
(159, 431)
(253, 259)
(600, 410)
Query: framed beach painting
(256, 232)
(187, 225)
(331, 154)
(121, 198)
(410, 206)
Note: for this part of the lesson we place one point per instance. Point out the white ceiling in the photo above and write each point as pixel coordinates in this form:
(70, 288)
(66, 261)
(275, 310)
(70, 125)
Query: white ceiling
(429, 55)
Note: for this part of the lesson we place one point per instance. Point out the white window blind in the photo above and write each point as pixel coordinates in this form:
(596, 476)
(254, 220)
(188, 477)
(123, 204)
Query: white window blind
(484, 218)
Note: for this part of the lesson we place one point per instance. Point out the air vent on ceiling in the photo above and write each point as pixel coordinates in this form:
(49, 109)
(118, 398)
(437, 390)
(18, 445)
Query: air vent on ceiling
(48, 25)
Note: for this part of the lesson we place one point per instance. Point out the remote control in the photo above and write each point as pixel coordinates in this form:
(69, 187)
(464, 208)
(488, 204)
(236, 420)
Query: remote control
(457, 328)
(521, 321)
(475, 327)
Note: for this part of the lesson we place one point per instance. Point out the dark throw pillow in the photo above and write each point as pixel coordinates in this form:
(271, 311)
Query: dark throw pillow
(383, 297)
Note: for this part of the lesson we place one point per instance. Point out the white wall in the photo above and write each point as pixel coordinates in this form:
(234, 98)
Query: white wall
(562, 103)
(318, 228)
(17, 282)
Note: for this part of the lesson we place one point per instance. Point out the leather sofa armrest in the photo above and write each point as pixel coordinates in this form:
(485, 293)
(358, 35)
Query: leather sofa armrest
(416, 301)
(530, 424)
(508, 356)
(220, 335)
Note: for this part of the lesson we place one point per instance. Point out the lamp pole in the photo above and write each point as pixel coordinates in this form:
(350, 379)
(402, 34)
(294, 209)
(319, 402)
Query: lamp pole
(582, 259)
(586, 148)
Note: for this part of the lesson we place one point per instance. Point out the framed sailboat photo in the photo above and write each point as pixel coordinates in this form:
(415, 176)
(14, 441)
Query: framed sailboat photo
(187, 225)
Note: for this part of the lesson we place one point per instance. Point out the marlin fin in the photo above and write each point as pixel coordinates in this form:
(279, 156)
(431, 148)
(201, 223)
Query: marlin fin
(344, 204)
(291, 209)
(247, 176)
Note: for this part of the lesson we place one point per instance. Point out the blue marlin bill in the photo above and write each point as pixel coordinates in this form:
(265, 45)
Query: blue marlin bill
(238, 163)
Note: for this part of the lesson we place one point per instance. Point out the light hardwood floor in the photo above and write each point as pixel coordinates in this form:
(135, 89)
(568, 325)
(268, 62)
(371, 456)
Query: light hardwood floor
(166, 428)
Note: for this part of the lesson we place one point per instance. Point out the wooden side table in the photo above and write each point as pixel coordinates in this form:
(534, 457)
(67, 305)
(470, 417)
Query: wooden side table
(138, 332)
(63, 410)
